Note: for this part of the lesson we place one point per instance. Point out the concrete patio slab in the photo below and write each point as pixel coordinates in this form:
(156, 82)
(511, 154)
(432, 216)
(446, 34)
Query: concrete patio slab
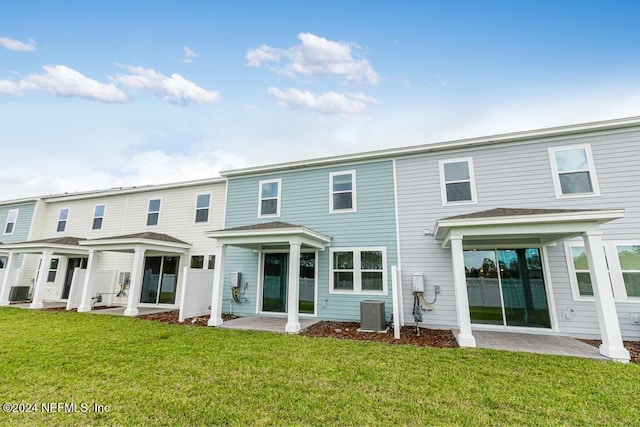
(119, 311)
(47, 304)
(269, 324)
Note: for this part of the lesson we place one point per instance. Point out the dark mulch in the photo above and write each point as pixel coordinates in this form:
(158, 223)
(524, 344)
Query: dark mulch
(408, 334)
(172, 318)
(97, 307)
(632, 346)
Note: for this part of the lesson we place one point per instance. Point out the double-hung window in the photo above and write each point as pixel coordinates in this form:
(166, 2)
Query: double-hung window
(63, 217)
(153, 212)
(98, 217)
(202, 207)
(53, 270)
(342, 187)
(574, 174)
(629, 259)
(457, 181)
(12, 218)
(358, 270)
(269, 198)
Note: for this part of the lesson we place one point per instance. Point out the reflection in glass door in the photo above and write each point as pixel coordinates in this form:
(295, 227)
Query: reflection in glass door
(159, 280)
(307, 283)
(506, 287)
(274, 284)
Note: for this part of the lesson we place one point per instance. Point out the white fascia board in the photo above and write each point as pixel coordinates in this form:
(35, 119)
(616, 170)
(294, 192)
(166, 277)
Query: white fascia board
(303, 234)
(105, 244)
(30, 248)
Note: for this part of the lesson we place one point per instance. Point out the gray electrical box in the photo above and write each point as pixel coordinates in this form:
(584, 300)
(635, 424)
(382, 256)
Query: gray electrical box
(235, 278)
(372, 315)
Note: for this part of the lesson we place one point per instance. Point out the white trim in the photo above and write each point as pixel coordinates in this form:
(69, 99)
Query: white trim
(94, 217)
(66, 220)
(551, 301)
(196, 208)
(146, 218)
(14, 222)
(354, 198)
(555, 174)
(278, 197)
(357, 270)
(471, 181)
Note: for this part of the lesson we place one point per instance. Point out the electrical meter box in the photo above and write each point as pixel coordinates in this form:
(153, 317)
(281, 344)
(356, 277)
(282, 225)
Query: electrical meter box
(235, 279)
(418, 282)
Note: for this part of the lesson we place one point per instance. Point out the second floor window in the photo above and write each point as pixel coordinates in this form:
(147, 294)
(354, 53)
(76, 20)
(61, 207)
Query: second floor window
(269, 204)
(343, 191)
(98, 217)
(63, 217)
(12, 218)
(573, 171)
(153, 213)
(457, 181)
(202, 207)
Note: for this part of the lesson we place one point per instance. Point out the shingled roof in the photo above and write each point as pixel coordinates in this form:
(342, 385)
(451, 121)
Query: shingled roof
(499, 212)
(145, 235)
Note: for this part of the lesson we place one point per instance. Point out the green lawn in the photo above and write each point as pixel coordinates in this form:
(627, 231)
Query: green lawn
(158, 374)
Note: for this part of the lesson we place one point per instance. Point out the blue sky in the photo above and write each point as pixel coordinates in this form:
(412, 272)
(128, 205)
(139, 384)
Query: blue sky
(107, 94)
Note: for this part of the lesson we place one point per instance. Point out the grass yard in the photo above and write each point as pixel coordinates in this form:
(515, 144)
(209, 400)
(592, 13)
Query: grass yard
(150, 373)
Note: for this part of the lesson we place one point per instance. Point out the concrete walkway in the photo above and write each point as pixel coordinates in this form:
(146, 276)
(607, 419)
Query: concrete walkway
(270, 324)
(534, 343)
(119, 311)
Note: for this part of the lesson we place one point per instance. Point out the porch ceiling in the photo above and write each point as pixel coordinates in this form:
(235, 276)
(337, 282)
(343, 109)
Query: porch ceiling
(153, 242)
(536, 226)
(270, 235)
(58, 245)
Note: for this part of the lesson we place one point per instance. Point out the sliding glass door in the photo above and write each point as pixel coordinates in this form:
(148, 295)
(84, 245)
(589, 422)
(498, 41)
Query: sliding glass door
(506, 287)
(160, 280)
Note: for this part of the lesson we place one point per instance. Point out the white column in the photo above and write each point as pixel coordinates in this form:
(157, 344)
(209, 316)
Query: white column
(465, 337)
(136, 282)
(87, 289)
(396, 293)
(218, 286)
(9, 272)
(612, 345)
(293, 293)
(38, 292)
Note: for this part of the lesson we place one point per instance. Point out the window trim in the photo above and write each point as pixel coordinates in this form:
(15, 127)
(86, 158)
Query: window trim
(472, 182)
(278, 198)
(357, 270)
(104, 213)
(53, 270)
(555, 174)
(66, 220)
(151, 212)
(354, 197)
(13, 223)
(196, 209)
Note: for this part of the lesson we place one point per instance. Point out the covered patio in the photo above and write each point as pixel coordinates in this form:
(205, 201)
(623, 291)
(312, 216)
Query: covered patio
(508, 226)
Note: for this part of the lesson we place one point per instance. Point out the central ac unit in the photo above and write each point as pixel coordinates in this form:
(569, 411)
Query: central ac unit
(372, 316)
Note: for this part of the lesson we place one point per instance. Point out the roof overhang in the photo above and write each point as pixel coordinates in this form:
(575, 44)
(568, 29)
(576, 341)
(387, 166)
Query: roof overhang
(270, 238)
(120, 244)
(40, 247)
(524, 227)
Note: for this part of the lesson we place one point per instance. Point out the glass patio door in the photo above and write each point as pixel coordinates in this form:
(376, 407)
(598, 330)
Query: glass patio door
(275, 283)
(506, 287)
(159, 281)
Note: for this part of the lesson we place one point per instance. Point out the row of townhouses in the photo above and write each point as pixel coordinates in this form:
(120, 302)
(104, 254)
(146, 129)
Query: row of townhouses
(535, 231)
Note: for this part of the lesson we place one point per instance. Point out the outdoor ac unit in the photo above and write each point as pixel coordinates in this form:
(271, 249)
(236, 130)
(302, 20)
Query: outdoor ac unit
(372, 316)
(19, 293)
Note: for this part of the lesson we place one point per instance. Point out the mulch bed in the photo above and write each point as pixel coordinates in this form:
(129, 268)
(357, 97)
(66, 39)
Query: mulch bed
(632, 346)
(171, 317)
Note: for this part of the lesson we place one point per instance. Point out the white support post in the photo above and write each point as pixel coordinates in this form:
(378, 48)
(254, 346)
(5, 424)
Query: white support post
(38, 292)
(465, 338)
(396, 293)
(218, 285)
(8, 273)
(135, 283)
(293, 294)
(612, 345)
(87, 289)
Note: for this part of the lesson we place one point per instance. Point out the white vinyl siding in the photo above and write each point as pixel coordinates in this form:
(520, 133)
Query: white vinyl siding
(153, 213)
(269, 198)
(358, 270)
(12, 218)
(574, 173)
(457, 181)
(203, 205)
(63, 217)
(342, 190)
(98, 217)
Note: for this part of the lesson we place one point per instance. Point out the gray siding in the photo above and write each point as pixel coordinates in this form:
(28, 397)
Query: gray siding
(517, 176)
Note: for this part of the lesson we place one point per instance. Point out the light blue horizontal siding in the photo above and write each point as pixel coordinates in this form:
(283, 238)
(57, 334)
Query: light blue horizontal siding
(305, 202)
(23, 224)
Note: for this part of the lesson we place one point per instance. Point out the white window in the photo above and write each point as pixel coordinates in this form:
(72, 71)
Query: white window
(63, 217)
(358, 270)
(98, 217)
(12, 218)
(574, 174)
(211, 263)
(457, 181)
(203, 202)
(342, 187)
(3, 262)
(53, 270)
(623, 265)
(269, 198)
(197, 261)
(153, 213)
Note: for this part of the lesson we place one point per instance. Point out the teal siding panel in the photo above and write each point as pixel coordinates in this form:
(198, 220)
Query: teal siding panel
(305, 201)
(22, 226)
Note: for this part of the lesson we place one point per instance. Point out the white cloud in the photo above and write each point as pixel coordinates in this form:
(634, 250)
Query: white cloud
(17, 45)
(64, 81)
(175, 89)
(189, 55)
(318, 57)
(345, 104)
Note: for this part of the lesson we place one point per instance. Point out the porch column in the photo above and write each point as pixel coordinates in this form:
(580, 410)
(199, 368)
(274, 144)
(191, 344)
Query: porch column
(136, 282)
(85, 302)
(293, 294)
(8, 272)
(38, 292)
(218, 287)
(465, 337)
(612, 345)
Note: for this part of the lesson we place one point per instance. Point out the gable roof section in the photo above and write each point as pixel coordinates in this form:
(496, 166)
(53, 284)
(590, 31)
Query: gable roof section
(260, 236)
(130, 242)
(59, 245)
